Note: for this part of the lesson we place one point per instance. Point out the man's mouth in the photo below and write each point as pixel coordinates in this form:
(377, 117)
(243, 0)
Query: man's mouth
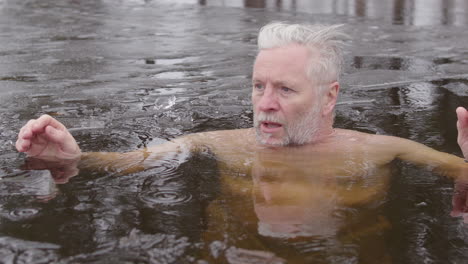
(270, 127)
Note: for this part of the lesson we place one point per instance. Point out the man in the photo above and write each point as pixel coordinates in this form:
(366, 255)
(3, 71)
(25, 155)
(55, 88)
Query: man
(302, 173)
(295, 89)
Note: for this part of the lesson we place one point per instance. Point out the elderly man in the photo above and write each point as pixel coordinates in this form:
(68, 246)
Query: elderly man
(294, 92)
(300, 174)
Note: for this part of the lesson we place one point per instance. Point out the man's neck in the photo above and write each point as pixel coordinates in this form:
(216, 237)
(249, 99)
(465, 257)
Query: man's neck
(322, 135)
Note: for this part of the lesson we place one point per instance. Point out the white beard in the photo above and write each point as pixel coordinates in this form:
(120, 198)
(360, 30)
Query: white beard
(297, 132)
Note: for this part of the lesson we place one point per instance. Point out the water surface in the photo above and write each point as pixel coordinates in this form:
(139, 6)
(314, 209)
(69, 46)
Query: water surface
(127, 74)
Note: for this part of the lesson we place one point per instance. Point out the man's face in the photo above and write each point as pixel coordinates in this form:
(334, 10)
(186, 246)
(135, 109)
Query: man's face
(286, 103)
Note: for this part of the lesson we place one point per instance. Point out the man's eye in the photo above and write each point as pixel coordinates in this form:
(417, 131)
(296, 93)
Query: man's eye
(286, 89)
(258, 86)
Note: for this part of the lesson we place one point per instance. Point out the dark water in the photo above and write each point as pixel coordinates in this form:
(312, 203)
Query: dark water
(125, 74)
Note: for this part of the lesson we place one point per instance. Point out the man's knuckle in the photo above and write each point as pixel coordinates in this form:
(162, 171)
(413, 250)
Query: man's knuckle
(45, 117)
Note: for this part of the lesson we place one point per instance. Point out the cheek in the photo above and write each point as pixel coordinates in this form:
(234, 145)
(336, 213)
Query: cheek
(293, 111)
(307, 106)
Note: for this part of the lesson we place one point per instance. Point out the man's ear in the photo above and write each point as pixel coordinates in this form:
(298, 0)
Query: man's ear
(330, 97)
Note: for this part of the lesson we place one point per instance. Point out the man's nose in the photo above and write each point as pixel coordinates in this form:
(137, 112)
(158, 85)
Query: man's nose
(269, 101)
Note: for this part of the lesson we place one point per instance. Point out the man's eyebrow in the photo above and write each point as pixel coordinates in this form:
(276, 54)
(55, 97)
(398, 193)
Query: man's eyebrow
(276, 83)
(286, 83)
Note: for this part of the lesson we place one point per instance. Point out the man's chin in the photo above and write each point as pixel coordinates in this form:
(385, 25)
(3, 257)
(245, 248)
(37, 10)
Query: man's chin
(270, 140)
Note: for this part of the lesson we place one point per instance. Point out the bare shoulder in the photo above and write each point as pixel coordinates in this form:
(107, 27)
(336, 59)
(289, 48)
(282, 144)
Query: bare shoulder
(216, 142)
(220, 139)
(233, 147)
(369, 138)
(221, 135)
(379, 143)
(391, 147)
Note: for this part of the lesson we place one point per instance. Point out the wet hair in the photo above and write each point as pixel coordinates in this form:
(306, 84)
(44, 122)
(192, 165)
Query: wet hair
(327, 40)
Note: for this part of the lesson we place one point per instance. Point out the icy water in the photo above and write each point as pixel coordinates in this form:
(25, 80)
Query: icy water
(127, 74)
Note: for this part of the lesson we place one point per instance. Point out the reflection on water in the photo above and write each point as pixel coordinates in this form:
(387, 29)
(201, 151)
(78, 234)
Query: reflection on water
(131, 73)
(291, 210)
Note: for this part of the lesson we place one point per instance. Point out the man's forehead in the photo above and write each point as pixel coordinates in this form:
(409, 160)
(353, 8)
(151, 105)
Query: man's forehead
(276, 72)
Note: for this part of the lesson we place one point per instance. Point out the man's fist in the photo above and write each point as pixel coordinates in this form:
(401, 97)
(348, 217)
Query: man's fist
(47, 138)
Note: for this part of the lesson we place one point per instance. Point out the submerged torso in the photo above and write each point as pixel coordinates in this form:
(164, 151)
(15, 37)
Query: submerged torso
(329, 193)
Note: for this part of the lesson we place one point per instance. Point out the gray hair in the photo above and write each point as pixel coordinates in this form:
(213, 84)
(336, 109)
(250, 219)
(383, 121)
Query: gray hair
(327, 40)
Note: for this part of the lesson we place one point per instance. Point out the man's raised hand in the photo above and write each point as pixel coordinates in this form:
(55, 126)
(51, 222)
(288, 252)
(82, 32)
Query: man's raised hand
(462, 126)
(47, 138)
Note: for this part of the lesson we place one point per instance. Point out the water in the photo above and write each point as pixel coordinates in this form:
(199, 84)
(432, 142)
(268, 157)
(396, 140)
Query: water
(128, 74)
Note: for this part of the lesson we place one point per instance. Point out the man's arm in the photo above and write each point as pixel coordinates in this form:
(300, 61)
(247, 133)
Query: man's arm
(444, 163)
(419, 154)
(177, 150)
(49, 140)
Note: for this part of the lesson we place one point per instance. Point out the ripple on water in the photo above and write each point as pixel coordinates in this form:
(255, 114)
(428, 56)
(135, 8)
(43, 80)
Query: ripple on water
(165, 197)
(19, 214)
(165, 171)
(164, 168)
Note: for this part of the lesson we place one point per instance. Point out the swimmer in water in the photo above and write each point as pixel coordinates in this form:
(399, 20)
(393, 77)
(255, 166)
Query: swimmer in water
(295, 86)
